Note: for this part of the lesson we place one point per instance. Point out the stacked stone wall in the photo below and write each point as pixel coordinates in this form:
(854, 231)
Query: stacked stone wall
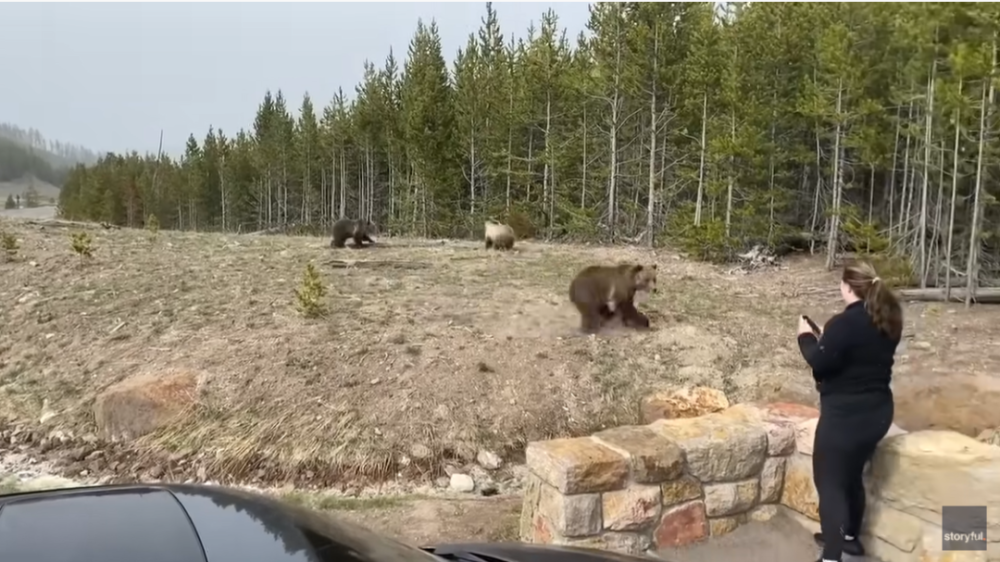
(674, 482)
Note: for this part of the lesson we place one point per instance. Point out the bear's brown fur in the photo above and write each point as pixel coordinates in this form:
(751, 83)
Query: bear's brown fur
(359, 230)
(602, 292)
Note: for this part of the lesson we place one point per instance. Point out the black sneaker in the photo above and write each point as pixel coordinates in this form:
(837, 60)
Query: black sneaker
(852, 547)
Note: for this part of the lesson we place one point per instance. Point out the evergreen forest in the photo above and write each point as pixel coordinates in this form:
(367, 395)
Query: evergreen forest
(865, 126)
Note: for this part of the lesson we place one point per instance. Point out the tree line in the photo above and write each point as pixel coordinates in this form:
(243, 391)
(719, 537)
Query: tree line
(58, 154)
(18, 161)
(870, 125)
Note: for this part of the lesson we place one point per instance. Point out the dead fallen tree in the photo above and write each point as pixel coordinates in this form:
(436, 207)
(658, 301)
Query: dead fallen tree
(343, 264)
(62, 223)
(985, 295)
(280, 229)
(758, 257)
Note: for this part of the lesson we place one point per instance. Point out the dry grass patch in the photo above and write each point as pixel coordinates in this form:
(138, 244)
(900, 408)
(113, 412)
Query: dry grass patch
(427, 351)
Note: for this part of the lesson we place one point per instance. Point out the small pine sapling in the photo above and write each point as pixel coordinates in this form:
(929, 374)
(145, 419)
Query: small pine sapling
(310, 295)
(83, 245)
(9, 245)
(153, 226)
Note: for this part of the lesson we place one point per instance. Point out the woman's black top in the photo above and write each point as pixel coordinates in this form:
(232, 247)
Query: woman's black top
(852, 356)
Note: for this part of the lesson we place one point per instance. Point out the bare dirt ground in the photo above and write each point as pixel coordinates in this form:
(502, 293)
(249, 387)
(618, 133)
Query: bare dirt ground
(431, 351)
(422, 520)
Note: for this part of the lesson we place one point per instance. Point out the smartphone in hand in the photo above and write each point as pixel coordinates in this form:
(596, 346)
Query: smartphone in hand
(815, 327)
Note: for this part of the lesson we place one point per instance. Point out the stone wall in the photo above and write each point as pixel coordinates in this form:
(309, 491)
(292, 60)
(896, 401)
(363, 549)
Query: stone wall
(679, 481)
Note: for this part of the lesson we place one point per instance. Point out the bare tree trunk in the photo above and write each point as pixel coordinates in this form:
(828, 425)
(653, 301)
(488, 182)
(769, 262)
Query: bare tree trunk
(906, 177)
(954, 193)
(701, 164)
(928, 121)
(547, 190)
(510, 149)
(732, 173)
(816, 193)
(935, 245)
(651, 204)
(222, 188)
(892, 172)
(472, 170)
(583, 182)
(972, 268)
(613, 137)
(831, 249)
(343, 182)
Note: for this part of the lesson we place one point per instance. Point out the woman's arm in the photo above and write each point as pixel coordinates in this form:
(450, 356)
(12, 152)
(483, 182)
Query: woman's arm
(826, 355)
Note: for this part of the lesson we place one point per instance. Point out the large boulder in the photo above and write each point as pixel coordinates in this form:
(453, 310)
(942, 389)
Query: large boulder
(144, 403)
(918, 473)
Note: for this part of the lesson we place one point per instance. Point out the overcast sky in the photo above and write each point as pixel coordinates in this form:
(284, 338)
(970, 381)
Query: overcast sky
(109, 76)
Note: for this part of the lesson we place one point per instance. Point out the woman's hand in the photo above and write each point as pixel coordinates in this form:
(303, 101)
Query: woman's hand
(804, 327)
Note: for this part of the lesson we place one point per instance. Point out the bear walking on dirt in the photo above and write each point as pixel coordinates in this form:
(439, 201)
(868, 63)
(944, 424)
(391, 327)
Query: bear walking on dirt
(358, 230)
(602, 292)
(499, 236)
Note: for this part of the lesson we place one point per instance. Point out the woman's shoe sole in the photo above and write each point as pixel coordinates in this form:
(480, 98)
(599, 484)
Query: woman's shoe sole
(853, 548)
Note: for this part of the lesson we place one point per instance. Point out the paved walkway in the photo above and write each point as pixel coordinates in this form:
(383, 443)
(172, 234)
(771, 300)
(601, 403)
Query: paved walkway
(781, 539)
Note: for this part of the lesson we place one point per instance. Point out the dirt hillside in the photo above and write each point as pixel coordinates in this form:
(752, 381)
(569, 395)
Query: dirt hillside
(431, 351)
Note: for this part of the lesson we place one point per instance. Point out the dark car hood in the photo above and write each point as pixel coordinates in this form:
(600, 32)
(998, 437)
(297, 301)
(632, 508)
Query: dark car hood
(521, 552)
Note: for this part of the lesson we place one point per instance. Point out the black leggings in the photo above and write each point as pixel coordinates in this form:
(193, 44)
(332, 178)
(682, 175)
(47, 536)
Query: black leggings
(848, 430)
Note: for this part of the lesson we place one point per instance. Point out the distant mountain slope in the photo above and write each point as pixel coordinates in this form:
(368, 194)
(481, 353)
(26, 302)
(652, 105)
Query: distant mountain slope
(57, 154)
(26, 157)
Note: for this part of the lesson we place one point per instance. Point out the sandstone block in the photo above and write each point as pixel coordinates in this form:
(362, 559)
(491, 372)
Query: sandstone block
(631, 509)
(683, 403)
(918, 473)
(717, 447)
(629, 543)
(731, 497)
(763, 513)
(901, 530)
(780, 438)
(772, 477)
(532, 527)
(684, 489)
(547, 515)
(144, 403)
(681, 525)
(577, 466)
(779, 427)
(719, 526)
(789, 412)
(799, 491)
(652, 458)
(805, 435)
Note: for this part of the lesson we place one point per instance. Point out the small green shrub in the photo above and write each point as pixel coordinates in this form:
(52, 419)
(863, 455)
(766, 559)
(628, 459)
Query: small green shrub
(83, 244)
(706, 242)
(152, 226)
(309, 296)
(9, 245)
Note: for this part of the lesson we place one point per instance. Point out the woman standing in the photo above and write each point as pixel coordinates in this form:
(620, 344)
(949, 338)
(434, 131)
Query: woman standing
(852, 364)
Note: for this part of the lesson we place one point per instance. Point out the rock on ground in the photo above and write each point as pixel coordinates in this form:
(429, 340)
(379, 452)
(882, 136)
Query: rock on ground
(461, 483)
(683, 403)
(144, 403)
